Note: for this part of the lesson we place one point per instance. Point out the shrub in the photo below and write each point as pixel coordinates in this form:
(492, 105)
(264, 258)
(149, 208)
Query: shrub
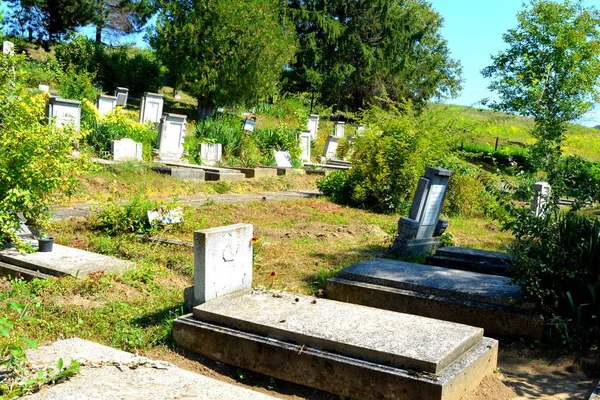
(120, 218)
(336, 186)
(575, 177)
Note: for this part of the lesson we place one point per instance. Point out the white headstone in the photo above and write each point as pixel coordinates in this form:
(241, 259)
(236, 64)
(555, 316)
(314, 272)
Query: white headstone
(539, 203)
(249, 125)
(338, 129)
(151, 108)
(210, 153)
(8, 47)
(64, 112)
(126, 150)
(331, 145)
(305, 139)
(171, 136)
(121, 94)
(360, 129)
(44, 88)
(313, 125)
(222, 261)
(105, 104)
(283, 159)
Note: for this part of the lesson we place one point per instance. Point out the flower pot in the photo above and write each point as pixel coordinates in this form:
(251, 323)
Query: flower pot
(45, 245)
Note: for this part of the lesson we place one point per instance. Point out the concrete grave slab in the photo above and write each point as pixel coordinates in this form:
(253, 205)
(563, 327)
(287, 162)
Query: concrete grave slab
(258, 172)
(475, 260)
(107, 373)
(186, 174)
(64, 260)
(213, 173)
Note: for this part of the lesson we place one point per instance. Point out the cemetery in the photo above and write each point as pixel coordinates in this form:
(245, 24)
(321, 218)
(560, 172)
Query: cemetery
(262, 231)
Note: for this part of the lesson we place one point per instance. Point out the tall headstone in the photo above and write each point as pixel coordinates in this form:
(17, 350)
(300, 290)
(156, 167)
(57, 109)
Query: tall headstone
(419, 233)
(313, 125)
(338, 129)
(8, 47)
(64, 112)
(105, 104)
(126, 150)
(331, 145)
(171, 135)
(539, 203)
(151, 108)
(121, 94)
(305, 139)
(211, 153)
(222, 262)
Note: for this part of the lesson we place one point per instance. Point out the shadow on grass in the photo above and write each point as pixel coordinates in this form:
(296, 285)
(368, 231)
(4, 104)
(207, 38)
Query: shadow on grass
(162, 319)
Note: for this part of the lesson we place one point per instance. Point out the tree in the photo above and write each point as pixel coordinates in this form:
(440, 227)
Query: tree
(550, 71)
(224, 51)
(124, 16)
(354, 51)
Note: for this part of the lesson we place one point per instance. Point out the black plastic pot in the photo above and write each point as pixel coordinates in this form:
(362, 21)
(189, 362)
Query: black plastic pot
(45, 245)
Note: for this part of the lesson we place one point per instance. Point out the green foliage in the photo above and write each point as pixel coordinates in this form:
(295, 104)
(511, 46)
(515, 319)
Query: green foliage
(336, 185)
(550, 71)
(557, 259)
(222, 128)
(76, 85)
(514, 157)
(35, 160)
(576, 178)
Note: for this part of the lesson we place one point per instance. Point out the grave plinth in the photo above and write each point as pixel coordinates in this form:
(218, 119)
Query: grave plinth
(171, 135)
(420, 232)
(64, 112)
(151, 108)
(105, 104)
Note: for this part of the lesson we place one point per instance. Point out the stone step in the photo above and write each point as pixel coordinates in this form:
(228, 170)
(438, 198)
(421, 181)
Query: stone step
(486, 301)
(475, 260)
(341, 348)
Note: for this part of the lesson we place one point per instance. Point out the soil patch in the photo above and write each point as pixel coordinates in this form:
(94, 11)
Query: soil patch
(493, 387)
(316, 230)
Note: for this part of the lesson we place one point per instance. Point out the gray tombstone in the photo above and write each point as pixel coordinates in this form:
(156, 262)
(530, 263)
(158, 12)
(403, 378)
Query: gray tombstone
(338, 129)
(171, 135)
(313, 125)
(121, 94)
(539, 203)
(64, 112)
(419, 233)
(151, 108)
(331, 145)
(126, 150)
(305, 139)
(105, 104)
(8, 47)
(222, 262)
(211, 153)
(283, 159)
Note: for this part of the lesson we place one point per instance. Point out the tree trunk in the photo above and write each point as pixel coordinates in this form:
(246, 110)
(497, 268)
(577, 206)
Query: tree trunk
(205, 107)
(98, 34)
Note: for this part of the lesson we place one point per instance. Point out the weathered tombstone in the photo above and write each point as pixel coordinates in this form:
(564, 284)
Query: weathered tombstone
(44, 88)
(210, 153)
(331, 145)
(313, 125)
(105, 104)
(64, 112)
(222, 262)
(419, 233)
(305, 138)
(338, 129)
(171, 135)
(283, 159)
(126, 150)
(151, 108)
(540, 199)
(249, 124)
(8, 47)
(121, 94)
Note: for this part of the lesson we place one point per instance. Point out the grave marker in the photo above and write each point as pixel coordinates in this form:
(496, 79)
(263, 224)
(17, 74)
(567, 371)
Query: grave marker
(313, 125)
(539, 203)
(64, 112)
(249, 124)
(126, 150)
(331, 145)
(8, 47)
(105, 104)
(44, 88)
(283, 159)
(151, 108)
(121, 94)
(360, 130)
(419, 233)
(171, 136)
(305, 139)
(338, 129)
(210, 153)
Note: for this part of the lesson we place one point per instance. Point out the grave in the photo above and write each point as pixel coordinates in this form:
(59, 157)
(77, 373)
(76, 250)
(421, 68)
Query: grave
(420, 232)
(44, 88)
(64, 112)
(360, 130)
(487, 301)
(338, 129)
(105, 104)
(213, 173)
(312, 125)
(305, 140)
(121, 94)
(186, 174)
(251, 173)
(283, 159)
(8, 47)
(474, 260)
(171, 135)
(151, 108)
(63, 260)
(342, 348)
(211, 153)
(126, 150)
(249, 124)
(331, 145)
(108, 373)
(539, 203)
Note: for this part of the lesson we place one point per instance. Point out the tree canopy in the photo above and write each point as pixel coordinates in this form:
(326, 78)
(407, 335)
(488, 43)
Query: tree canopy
(353, 51)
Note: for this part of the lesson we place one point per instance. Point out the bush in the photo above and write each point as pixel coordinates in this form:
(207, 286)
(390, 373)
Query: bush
(577, 178)
(121, 218)
(336, 186)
